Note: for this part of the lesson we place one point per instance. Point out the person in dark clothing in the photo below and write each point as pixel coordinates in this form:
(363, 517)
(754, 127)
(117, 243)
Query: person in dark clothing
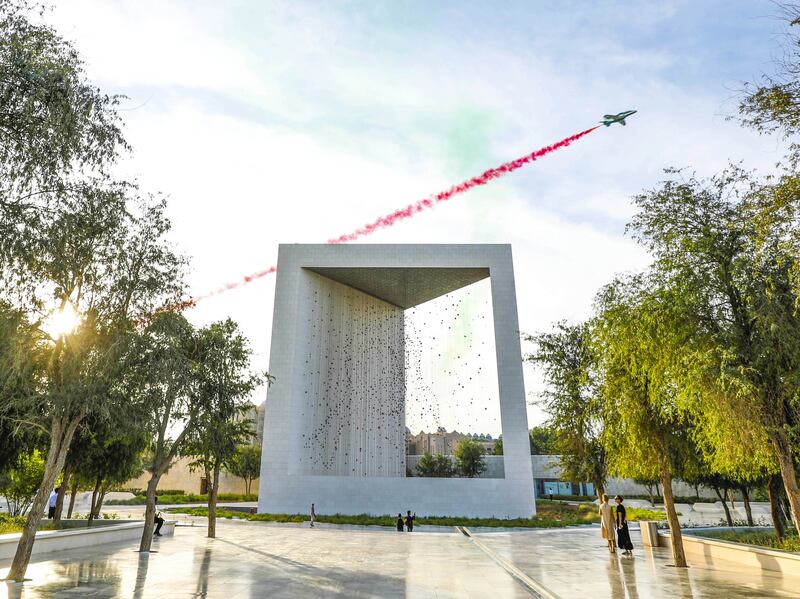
(159, 520)
(399, 522)
(623, 536)
(410, 521)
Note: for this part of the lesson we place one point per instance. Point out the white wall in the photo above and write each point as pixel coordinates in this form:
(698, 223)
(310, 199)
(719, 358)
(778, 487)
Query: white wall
(351, 381)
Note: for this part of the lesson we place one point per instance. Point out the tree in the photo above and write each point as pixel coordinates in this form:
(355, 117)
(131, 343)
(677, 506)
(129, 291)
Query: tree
(164, 380)
(111, 454)
(739, 357)
(245, 463)
(469, 458)
(102, 254)
(573, 401)
(54, 125)
(651, 486)
(436, 466)
(643, 425)
(543, 440)
(19, 483)
(225, 383)
(774, 105)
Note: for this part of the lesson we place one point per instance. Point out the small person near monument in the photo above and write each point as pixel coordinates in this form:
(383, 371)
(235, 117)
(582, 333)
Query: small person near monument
(399, 522)
(313, 516)
(623, 536)
(410, 521)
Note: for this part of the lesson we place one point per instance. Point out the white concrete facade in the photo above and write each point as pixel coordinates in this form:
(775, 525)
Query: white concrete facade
(318, 352)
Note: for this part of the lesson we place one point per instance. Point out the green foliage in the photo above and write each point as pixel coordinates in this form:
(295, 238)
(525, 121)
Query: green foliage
(642, 421)
(572, 400)
(245, 463)
(20, 483)
(758, 538)
(774, 104)
(469, 458)
(436, 466)
(52, 120)
(172, 498)
(224, 384)
(542, 442)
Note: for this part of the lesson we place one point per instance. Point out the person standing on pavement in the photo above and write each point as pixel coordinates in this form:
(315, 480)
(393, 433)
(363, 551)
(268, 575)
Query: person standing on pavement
(51, 503)
(623, 536)
(607, 528)
(410, 521)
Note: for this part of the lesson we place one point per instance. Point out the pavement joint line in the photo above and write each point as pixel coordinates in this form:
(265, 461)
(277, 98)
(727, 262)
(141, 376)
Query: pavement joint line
(529, 583)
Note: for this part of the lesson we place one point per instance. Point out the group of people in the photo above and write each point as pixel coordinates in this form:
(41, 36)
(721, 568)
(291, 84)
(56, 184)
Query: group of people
(614, 526)
(408, 522)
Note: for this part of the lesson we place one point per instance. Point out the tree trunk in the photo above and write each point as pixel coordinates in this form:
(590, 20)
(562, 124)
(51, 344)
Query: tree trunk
(786, 464)
(149, 513)
(774, 489)
(599, 489)
(92, 508)
(676, 539)
(61, 432)
(72, 496)
(697, 492)
(62, 491)
(724, 504)
(212, 504)
(658, 492)
(247, 483)
(746, 500)
(103, 490)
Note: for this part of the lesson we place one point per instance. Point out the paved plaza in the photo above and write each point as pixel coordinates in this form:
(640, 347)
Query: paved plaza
(253, 560)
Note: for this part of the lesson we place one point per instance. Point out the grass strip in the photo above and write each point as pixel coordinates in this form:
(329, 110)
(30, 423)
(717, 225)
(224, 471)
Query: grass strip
(549, 515)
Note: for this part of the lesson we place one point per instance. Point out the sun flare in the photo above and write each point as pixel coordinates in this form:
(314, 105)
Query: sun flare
(61, 321)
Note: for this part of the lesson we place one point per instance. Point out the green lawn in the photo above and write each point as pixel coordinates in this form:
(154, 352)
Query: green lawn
(760, 538)
(550, 514)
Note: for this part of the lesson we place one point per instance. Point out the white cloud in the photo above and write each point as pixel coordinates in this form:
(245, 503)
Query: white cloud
(293, 123)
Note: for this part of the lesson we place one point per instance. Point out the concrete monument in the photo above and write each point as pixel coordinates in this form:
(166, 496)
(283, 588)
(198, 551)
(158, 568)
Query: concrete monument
(334, 431)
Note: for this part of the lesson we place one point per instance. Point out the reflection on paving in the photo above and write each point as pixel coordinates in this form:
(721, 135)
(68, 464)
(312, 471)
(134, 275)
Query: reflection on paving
(576, 563)
(260, 560)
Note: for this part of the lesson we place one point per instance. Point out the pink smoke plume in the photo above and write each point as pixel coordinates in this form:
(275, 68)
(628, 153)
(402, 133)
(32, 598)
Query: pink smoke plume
(431, 201)
(403, 213)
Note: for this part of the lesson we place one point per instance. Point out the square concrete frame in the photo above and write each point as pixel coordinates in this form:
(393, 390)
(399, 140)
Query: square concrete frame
(283, 490)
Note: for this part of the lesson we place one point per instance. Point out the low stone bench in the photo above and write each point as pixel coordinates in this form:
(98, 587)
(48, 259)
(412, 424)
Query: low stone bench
(706, 551)
(49, 541)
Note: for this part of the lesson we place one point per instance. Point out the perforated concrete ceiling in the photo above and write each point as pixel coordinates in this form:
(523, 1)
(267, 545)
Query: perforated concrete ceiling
(404, 287)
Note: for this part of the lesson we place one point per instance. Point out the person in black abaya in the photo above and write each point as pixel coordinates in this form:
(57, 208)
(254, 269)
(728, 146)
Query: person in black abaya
(623, 536)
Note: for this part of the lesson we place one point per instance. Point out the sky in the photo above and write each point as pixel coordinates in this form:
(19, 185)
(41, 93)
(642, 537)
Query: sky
(292, 122)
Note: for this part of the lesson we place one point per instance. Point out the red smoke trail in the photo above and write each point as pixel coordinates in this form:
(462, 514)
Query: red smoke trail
(482, 179)
(403, 213)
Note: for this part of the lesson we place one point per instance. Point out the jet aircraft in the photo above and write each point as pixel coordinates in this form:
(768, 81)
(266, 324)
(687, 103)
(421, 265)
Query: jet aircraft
(610, 119)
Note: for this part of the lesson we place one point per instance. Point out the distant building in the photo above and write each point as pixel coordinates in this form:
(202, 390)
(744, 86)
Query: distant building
(181, 477)
(443, 442)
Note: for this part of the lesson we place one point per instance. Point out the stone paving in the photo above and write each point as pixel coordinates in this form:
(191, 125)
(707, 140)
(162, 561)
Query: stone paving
(250, 560)
(576, 563)
(254, 560)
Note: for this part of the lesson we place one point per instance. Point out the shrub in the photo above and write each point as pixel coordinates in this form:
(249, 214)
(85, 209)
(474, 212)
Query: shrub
(469, 457)
(436, 466)
(760, 538)
(165, 499)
